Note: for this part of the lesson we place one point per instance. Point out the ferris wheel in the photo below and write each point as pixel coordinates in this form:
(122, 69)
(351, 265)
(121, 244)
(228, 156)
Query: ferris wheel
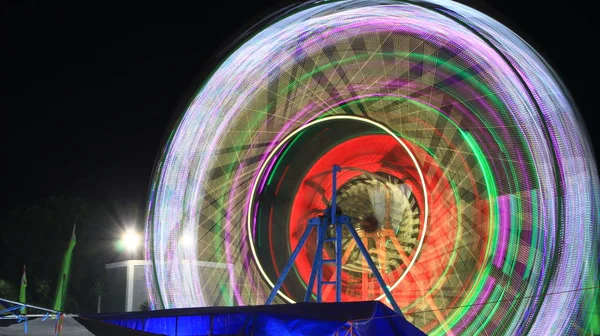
(466, 171)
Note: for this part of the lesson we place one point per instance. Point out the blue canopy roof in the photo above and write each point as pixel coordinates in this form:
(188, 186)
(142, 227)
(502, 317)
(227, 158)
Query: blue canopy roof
(352, 318)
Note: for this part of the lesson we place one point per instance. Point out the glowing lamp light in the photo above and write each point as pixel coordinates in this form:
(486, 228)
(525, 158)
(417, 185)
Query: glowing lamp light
(131, 240)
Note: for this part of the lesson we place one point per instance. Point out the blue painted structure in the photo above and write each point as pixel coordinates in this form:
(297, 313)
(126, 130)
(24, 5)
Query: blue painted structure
(12, 310)
(330, 217)
(342, 318)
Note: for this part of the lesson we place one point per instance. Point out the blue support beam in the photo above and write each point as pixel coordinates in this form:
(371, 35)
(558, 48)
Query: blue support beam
(330, 217)
(23, 318)
(319, 261)
(313, 274)
(289, 265)
(338, 236)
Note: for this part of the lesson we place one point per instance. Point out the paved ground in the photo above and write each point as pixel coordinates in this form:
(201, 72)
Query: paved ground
(38, 327)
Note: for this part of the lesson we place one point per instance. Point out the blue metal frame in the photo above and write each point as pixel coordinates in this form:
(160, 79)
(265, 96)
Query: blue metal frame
(289, 265)
(338, 236)
(22, 318)
(330, 217)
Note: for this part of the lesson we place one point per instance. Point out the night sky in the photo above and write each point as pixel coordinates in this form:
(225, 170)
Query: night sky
(90, 92)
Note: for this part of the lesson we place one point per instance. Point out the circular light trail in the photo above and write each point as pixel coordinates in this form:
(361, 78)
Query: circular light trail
(498, 149)
(285, 141)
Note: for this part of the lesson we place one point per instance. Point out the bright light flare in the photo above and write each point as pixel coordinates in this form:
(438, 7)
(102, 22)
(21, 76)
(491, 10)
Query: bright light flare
(131, 240)
(186, 241)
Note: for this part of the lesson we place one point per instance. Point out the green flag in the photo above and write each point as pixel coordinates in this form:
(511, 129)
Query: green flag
(23, 291)
(61, 290)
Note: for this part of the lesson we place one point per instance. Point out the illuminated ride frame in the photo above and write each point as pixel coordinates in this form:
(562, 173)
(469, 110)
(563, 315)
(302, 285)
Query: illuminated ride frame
(322, 223)
(494, 183)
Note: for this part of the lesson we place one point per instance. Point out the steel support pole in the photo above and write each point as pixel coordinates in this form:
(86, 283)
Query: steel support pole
(289, 265)
(313, 273)
(373, 267)
(338, 236)
(319, 260)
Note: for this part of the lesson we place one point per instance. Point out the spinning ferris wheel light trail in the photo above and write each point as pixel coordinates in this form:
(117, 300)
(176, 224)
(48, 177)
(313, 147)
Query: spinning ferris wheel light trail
(466, 173)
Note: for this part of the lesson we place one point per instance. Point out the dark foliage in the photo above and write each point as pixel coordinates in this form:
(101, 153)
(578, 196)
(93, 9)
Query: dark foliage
(40, 233)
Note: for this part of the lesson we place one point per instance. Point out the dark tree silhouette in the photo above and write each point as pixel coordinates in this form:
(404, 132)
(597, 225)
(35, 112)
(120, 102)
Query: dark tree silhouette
(39, 234)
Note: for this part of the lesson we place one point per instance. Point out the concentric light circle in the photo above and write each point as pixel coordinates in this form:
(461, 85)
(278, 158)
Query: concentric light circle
(501, 169)
(269, 161)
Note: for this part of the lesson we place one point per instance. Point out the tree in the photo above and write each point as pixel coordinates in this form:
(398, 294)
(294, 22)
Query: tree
(38, 237)
(41, 290)
(8, 290)
(144, 306)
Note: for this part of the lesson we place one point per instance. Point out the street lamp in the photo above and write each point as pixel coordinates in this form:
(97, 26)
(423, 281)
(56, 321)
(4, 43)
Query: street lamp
(130, 241)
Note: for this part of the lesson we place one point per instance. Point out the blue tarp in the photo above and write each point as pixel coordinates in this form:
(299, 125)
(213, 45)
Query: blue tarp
(347, 318)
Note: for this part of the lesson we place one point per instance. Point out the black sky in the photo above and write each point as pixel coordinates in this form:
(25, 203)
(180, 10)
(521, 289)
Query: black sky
(89, 91)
